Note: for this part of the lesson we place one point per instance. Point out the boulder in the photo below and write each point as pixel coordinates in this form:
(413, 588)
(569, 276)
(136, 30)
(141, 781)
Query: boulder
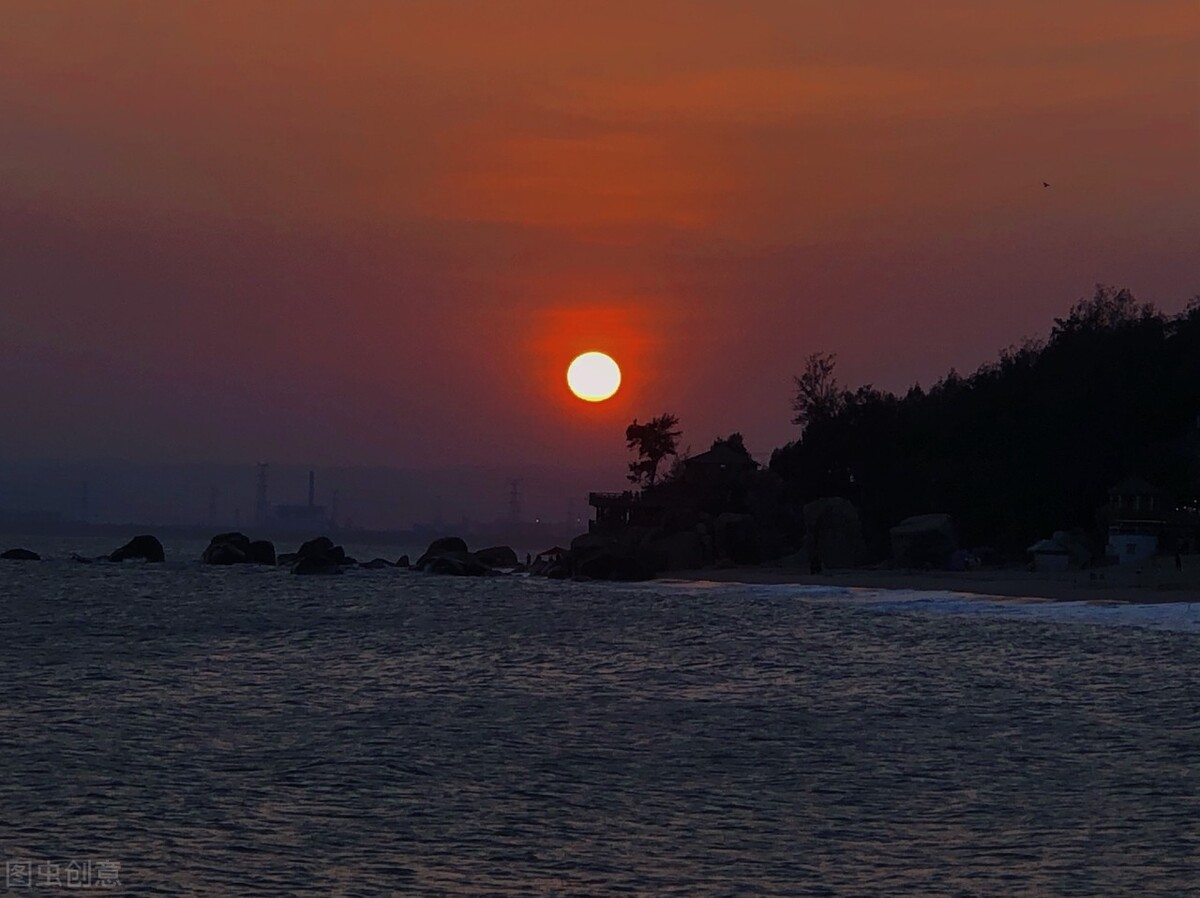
(322, 549)
(403, 561)
(316, 565)
(376, 564)
(614, 564)
(683, 551)
(497, 556)
(145, 547)
(833, 533)
(923, 541)
(227, 548)
(287, 558)
(458, 564)
(449, 555)
(316, 548)
(262, 551)
(20, 555)
(440, 547)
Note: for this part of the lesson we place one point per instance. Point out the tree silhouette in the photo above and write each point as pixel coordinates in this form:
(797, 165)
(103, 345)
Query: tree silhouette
(1026, 445)
(653, 442)
(817, 393)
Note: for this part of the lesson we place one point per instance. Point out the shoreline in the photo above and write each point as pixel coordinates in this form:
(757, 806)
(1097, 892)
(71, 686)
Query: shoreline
(1067, 586)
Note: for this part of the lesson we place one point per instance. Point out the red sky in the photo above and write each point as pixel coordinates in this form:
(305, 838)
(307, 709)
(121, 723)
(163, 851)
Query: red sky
(377, 232)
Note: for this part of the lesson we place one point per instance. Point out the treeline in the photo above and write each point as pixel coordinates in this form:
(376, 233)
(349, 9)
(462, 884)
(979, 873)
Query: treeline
(1027, 444)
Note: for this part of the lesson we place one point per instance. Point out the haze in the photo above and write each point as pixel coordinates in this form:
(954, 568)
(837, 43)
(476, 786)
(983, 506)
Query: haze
(376, 233)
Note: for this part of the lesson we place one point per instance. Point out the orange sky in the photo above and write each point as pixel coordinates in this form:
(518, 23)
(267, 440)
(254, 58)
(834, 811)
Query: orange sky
(377, 231)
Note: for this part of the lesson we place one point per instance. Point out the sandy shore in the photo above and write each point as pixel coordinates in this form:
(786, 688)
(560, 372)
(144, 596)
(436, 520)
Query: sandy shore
(1109, 585)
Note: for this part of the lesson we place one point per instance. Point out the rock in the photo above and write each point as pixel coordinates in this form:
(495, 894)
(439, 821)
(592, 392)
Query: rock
(323, 550)
(497, 556)
(227, 548)
(923, 541)
(145, 547)
(225, 554)
(287, 558)
(833, 534)
(376, 564)
(21, 555)
(459, 564)
(262, 551)
(737, 538)
(442, 546)
(403, 561)
(682, 551)
(449, 555)
(316, 548)
(614, 564)
(316, 565)
(557, 570)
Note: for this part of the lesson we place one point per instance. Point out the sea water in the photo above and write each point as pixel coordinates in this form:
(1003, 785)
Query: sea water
(178, 729)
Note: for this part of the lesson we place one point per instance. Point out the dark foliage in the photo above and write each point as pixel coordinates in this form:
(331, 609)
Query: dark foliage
(1027, 444)
(652, 442)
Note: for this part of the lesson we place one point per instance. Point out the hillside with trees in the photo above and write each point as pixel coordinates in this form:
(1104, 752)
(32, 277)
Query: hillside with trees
(1027, 445)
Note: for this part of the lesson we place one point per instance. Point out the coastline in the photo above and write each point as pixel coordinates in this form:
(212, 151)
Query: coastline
(1153, 586)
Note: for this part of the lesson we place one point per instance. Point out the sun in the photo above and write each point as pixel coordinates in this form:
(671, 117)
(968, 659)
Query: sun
(593, 376)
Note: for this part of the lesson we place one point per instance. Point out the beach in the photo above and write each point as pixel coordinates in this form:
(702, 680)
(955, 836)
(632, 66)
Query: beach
(1153, 583)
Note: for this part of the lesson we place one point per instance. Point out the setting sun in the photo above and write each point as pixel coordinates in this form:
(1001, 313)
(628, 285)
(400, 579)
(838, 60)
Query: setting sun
(593, 377)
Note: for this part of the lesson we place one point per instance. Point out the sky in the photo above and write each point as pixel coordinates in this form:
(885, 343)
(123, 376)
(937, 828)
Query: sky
(376, 233)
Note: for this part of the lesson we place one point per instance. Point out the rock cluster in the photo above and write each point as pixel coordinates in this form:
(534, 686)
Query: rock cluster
(237, 548)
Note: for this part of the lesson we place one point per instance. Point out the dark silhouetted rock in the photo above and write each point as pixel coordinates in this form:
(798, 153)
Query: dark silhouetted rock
(144, 547)
(923, 541)
(376, 564)
(497, 556)
(449, 555)
(403, 561)
(442, 546)
(316, 565)
(614, 564)
(323, 550)
(683, 551)
(21, 555)
(227, 548)
(316, 548)
(287, 558)
(833, 534)
(458, 564)
(262, 551)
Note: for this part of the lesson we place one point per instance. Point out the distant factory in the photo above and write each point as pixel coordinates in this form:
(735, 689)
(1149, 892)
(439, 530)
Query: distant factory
(309, 517)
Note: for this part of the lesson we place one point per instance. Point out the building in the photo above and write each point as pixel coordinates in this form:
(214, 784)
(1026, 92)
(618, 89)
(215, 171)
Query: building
(1144, 520)
(712, 482)
(309, 518)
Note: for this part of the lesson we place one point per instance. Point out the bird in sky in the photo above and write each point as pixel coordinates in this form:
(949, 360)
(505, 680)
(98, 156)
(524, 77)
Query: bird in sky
(1045, 184)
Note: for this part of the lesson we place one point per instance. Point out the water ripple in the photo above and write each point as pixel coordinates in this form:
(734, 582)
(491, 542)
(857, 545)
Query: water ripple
(225, 731)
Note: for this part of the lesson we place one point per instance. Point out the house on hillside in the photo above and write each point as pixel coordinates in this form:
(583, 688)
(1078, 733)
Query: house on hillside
(712, 482)
(716, 480)
(1144, 520)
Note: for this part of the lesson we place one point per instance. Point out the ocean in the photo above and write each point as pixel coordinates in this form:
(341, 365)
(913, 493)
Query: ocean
(178, 729)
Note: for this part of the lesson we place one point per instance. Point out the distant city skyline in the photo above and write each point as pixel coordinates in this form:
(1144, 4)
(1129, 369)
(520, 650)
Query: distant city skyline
(216, 495)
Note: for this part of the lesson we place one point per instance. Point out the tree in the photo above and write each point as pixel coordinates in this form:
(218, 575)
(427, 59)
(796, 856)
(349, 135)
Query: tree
(1108, 310)
(734, 441)
(817, 393)
(653, 442)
